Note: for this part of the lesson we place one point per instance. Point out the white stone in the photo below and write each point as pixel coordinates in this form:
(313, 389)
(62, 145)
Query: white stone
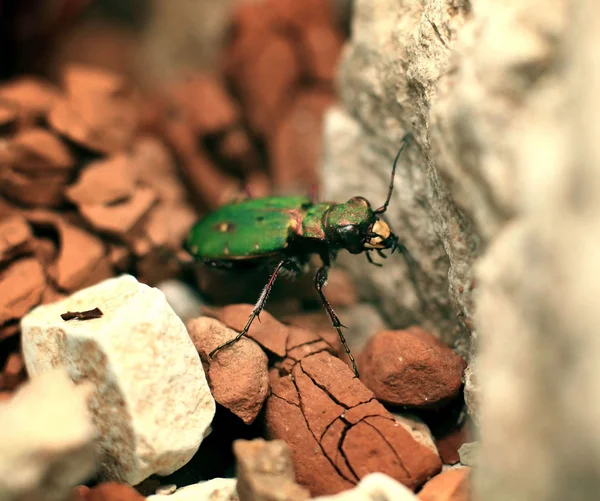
(375, 486)
(46, 439)
(151, 405)
(217, 489)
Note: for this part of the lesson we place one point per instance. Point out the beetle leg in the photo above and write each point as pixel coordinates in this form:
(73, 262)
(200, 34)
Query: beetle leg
(260, 304)
(320, 281)
(370, 259)
(381, 254)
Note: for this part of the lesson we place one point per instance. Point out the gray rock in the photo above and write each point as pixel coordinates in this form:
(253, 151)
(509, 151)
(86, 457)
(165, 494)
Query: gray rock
(468, 453)
(502, 98)
(387, 81)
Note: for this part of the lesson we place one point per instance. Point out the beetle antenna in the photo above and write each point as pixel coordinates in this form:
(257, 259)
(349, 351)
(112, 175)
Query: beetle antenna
(384, 207)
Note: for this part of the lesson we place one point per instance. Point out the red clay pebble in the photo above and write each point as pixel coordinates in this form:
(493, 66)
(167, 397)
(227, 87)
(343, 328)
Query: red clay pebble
(411, 368)
(339, 432)
(112, 491)
(237, 375)
(268, 332)
(451, 485)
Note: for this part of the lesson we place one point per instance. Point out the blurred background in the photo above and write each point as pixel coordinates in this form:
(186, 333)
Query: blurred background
(129, 120)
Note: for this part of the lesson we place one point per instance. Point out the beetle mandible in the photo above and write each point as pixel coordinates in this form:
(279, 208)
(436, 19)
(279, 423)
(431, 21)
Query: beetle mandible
(287, 230)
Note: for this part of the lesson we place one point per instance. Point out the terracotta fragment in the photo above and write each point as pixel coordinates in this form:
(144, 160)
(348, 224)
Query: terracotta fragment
(411, 368)
(79, 256)
(37, 148)
(450, 485)
(237, 151)
(104, 181)
(84, 80)
(265, 82)
(120, 218)
(31, 96)
(210, 186)
(8, 119)
(38, 189)
(154, 166)
(15, 236)
(449, 443)
(299, 15)
(100, 112)
(21, 286)
(112, 491)
(321, 46)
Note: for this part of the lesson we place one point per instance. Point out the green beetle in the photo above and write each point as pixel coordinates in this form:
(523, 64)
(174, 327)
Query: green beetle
(284, 232)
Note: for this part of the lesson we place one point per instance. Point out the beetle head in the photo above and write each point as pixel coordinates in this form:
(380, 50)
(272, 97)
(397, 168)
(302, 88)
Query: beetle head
(355, 227)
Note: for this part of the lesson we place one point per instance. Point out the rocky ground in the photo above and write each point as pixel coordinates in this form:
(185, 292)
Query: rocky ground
(100, 183)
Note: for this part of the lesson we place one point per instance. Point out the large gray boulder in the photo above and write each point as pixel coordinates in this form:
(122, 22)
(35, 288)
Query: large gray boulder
(499, 202)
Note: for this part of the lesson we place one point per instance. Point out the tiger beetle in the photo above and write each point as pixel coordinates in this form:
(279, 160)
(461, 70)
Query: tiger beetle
(284, 231)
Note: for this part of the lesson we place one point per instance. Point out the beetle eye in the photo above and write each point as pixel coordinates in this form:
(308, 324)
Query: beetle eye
(349, 233)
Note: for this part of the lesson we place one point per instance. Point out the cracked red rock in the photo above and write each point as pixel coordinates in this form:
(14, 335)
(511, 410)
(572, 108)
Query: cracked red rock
(338, 431)
(411, 368)
(237, 375)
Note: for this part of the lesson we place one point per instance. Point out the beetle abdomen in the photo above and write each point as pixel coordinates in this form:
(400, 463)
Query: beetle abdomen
(252, 228)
